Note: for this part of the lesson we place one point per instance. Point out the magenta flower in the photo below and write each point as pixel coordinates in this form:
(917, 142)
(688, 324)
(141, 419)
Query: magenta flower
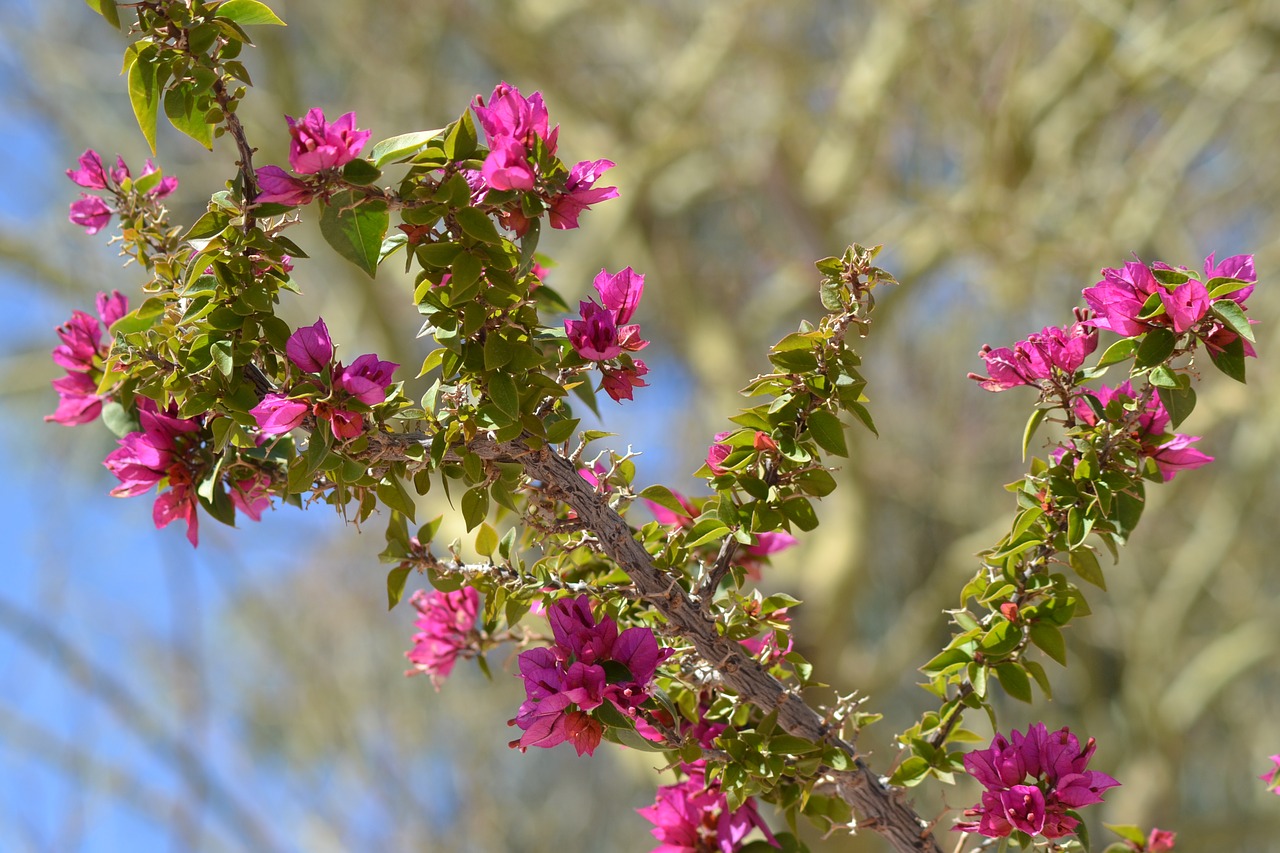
(1117, 300)
(507, 167)
(602, 332)
(446, 628)
(510, 115)
(588, 664)
(366, 379)
(1186, 305)
(1161, 840)
(694, 817)
(717, 453)
(310, 347)
(1171, 455)
(78, 401)
(90, 213)
(277, 414)
(595, 335)
(1272, 776)
(344, 424)
(1178, 455)
(91, 174)
(111, 307)
(1032, 781)
(318, 145)
(580, 193)
(164, 187)
(276, 186)
(252, 495)
(82, 343)
(1042, 356)
(617, 382)
(146, 458)
(1238, 267)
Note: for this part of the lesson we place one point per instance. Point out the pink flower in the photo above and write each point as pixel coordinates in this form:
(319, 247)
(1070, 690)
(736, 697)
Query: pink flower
(90, 213)
(276, 186)
(620, 292)
(588, 664)
(344, 424)
(694, 817)
(618, 381)
(1032, 781)
(1160, 840)
(366, 379)
(580, 193)
(507, 167)
(318, 145)
(717, 453)
(277, 414)
(90, 174)
(1238, 267)
(81, 342)
(595, 335)
(1043, 355)
(252, 495)
(78, 402)
(446, 623)
(178, 504)
(1171, 455)
(165, 186)
(1178, 455)
(310, 347)
(1186, 305)
(602, 333)
(1117, 300)
(111, 307)
(1272, 776)
(145, 458)
(510, 115)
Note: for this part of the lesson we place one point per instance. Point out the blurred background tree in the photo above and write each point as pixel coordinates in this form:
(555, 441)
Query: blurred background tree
(248, 695)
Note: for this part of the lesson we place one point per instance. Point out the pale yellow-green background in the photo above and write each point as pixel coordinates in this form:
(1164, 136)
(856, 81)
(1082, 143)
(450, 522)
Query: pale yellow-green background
(1002, 151)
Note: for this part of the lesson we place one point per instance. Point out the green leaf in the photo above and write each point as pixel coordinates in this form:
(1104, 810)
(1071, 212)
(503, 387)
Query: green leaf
(222, 356)
(1156, 346)
(706, 530)
(118, 419)
(503, 392)
(107, 9)
(911, 772)
(144, 94)
(1014, 681)
(402, 147)
(1179, 403)
(396, 579)
(827, 430)
(247, 13)
(180, 105)
(1230, 359)
(664, 497)
(1233, 315)
(801, 513)
(475, 506)
(392, 493)
(1132, 833)
(1033, 422)
(1118, 352)
(460, 142)
(477, 225)
(355, 228)
(1049, 640)
(486, 540)
(1086, 565)
(361, 172)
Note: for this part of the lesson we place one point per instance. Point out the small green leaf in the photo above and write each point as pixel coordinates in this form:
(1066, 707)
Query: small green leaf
(144, 94)
(1178, 402)
(486, 540)
(1014, 681)
(1033, 422)
(503, 392)
(1156, 346)
(1132, 833)
(827, 430)
(1233, 315)
(222, 356)
(1118, 352)
(402, 147)
(247, 13)
(911, 772)
(360, 172)
(706, 530)
(801, 513)
(180, 105)
(107, 9)
(355, 228)
(1049, 640)
(392, 493)
(664, 497)
(475, 506)
(1086, 565)
(1230, 359)
(396, 579)
(477, 225)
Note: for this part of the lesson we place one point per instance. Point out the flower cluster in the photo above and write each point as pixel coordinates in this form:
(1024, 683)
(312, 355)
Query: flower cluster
(602, 332)
(365, 381)
(1032, 781)
(156, 455)
(446, 623)
(694, 816)
(588, 664)
(316, 148)
(1132, 300)
(1150, 430)
(1050, 355)
(519, 138)
(80, 354)
(93, 213)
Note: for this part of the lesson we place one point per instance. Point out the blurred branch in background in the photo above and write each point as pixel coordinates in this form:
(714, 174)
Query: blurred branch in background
(1002, 152)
